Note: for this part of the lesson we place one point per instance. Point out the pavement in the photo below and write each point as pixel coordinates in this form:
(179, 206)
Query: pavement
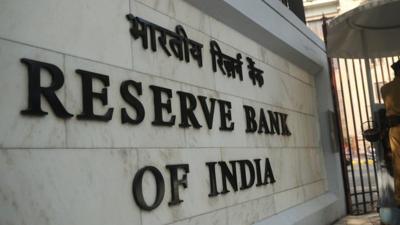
(368, 219)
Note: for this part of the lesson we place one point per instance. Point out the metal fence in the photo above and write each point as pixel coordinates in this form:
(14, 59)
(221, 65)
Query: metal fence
(353, 107)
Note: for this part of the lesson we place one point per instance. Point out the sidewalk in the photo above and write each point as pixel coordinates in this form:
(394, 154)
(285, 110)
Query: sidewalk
(369, 219)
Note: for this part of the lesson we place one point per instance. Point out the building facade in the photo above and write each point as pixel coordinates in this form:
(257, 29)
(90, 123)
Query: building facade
(316, 9)
(152, 112)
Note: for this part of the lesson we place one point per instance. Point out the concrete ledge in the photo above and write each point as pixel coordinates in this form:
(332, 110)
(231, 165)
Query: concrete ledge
(296, 22)
(319, 211)
(271, 25)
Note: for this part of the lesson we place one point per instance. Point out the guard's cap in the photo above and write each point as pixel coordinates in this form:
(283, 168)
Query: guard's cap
(396, 66)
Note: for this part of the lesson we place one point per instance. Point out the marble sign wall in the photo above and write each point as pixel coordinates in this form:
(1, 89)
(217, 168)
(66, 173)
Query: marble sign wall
(74, 172)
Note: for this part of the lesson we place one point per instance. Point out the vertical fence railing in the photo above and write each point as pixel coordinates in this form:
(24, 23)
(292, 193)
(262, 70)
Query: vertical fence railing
(345, 146)
(352, 102)
(354, 109)
(297, 7)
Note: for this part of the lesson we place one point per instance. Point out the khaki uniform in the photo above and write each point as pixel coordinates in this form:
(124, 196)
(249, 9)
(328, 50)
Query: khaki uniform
(391, 96)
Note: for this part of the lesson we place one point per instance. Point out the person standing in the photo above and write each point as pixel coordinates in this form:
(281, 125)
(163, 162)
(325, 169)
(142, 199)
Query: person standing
(391, 97)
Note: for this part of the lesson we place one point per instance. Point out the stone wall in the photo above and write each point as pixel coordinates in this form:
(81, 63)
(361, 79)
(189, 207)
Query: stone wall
(70, 171)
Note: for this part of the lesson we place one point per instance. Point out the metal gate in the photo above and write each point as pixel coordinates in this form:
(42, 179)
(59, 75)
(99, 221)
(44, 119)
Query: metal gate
(353, 108)
(353, 102)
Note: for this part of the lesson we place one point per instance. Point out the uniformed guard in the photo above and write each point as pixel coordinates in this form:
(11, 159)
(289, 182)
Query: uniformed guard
(391, 97)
